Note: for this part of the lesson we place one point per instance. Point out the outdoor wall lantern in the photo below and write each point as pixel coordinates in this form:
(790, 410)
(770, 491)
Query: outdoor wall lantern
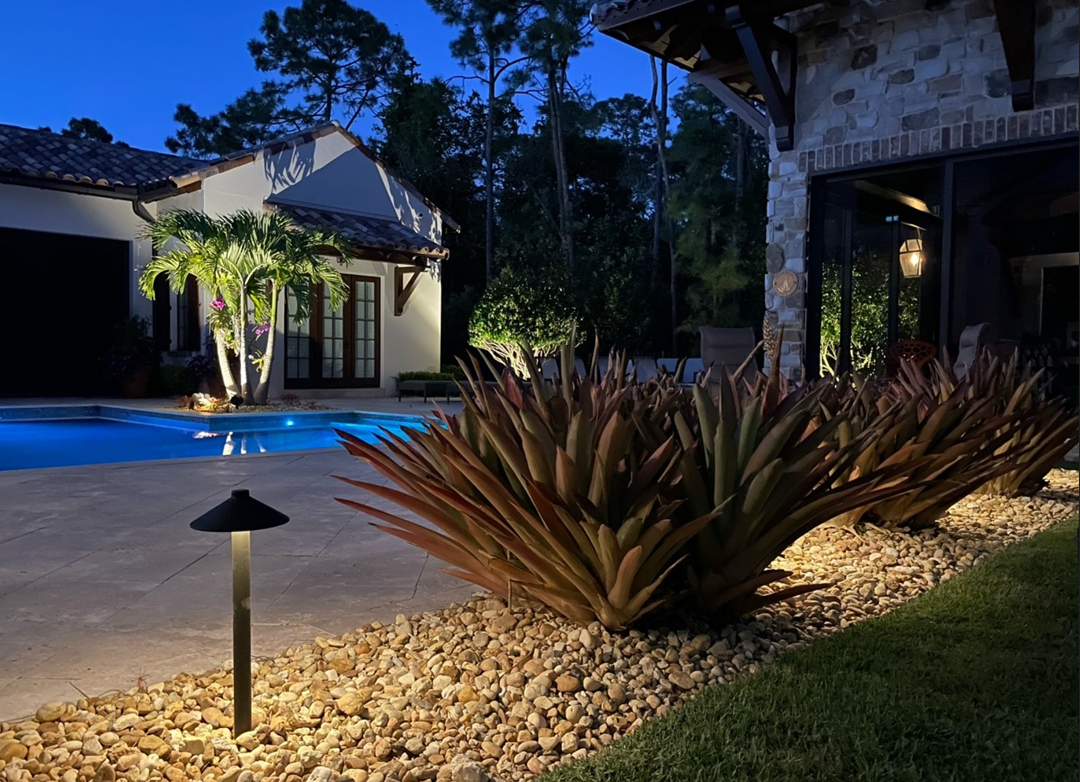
(240, 515)
(912, 257)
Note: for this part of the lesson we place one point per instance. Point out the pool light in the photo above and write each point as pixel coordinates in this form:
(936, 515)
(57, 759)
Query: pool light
(240, 515)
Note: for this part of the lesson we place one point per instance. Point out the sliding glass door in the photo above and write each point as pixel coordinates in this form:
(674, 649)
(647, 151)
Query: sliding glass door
(875, 250)
(335, 347)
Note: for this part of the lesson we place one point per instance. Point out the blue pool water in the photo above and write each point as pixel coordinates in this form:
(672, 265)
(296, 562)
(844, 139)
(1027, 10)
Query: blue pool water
(62, 437)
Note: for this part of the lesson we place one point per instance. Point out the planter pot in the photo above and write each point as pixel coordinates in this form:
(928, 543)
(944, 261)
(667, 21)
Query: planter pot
(137, 384)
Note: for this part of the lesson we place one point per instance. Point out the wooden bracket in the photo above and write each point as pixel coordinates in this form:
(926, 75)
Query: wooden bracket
(771, 53)
(403, 288)
(1016, 24)
(733, 99)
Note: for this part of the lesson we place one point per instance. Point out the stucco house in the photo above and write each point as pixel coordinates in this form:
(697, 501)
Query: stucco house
(924, 163)
(71, 215)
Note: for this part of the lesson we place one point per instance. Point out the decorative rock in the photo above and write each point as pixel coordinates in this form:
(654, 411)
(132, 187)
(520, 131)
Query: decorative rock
(681, 680)
(12, 750)
(51, 712)
(567, 683)
(428, 701)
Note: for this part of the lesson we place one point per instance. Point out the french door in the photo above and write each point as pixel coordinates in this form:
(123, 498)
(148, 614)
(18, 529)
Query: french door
(335, 347)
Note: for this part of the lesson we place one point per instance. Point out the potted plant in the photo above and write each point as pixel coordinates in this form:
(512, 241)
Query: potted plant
(131, 359)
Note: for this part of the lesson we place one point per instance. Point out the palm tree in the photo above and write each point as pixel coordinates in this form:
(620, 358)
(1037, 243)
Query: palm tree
(289, 257)
(244, 260)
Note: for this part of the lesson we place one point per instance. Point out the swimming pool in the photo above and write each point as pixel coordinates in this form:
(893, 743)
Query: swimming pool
(92, 434)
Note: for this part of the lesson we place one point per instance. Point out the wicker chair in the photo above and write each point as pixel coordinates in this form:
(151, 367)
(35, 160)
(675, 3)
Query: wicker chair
(914, 351)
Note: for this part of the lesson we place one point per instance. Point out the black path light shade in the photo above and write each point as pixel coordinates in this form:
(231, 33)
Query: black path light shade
(241, 515)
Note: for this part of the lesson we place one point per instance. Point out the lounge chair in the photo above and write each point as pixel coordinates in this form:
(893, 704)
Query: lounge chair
(972, 340)
(645, 369)
(726, 347)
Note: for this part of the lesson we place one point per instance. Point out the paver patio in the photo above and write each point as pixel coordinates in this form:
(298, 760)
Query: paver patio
(103, 585)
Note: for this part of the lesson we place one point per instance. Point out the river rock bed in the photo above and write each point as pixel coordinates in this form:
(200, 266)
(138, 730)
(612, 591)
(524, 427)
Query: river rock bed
(480, 690)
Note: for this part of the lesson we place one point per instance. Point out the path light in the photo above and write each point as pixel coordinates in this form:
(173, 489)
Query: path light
(240, 515)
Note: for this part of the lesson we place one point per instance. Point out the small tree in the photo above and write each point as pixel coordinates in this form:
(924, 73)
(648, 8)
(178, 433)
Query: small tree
(244, 260)
(525, 315)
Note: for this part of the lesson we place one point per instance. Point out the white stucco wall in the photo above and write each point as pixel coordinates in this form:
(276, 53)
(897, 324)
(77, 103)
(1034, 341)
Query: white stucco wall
(329, 172)
(38, 209)
(332, 173)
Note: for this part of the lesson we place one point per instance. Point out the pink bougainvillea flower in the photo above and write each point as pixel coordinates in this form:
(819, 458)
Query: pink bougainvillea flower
(218, 303)
(260, 330)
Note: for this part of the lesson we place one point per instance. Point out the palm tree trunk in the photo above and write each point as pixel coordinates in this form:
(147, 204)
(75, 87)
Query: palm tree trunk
(227, 378)
(262, 391)
(241, 341)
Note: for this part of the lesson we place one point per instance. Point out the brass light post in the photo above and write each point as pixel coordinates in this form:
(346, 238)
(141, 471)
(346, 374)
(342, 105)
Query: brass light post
(241, 515)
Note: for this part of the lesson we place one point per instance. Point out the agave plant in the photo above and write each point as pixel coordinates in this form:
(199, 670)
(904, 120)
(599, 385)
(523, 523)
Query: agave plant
(1046, 429)
(543, 491)
(767, 472)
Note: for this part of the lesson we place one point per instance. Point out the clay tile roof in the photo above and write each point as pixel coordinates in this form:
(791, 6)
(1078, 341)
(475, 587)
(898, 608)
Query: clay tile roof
(41, 154)
(364, 231)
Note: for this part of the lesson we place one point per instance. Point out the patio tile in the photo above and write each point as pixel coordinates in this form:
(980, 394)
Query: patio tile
(22, 697)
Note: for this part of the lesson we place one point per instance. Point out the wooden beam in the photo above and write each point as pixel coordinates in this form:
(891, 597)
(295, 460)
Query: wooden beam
(1016, 25)
(761, 41)
(738, 103)
(403, 288)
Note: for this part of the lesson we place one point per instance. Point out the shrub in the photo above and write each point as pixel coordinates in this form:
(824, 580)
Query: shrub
(769, 466)
(524, 316)
(949, 445)
(1046, 431)
(549, 492)
(424, 375)
(177, 381)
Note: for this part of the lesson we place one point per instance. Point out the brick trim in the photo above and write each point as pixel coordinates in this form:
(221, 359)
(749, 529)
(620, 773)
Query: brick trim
(1038, 123)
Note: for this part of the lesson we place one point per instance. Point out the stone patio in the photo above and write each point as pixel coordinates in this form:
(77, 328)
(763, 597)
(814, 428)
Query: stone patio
(104, 586)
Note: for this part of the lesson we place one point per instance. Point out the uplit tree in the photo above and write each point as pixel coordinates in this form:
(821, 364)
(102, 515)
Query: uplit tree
(245, 260)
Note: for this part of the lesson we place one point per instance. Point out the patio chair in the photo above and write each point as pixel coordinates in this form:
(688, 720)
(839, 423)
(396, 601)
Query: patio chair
(645, 369)
(667, 365)
(727, 347)
(972, 339)
(693, 369)
(549, 368)
(914, 351)
(579, 367)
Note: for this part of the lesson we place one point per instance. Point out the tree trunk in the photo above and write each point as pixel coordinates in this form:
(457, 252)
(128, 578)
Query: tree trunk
(262, 390)
(241, 341)
(562, 178)
(740, 182)
(658, 189)
(665, 189)
(489, 174)
(231, 389)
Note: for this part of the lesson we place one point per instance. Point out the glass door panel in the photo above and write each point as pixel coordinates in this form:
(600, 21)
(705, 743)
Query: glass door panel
(365, 307)
(297, 341)
(333, 339)
(336, 347)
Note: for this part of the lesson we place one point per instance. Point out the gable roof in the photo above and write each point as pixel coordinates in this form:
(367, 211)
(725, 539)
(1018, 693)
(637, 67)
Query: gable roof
(40, 154)
(365, 231)
(50, 157)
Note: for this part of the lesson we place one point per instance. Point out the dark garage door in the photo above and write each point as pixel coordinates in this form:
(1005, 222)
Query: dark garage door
(60, 299)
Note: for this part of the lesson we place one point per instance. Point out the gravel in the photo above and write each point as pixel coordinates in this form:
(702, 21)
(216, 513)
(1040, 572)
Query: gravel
(484, 691)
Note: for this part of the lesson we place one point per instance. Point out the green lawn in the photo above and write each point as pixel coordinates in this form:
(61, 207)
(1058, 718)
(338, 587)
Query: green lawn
(977, 680)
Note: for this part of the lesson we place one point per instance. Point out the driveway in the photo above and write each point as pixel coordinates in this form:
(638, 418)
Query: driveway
(104, 586)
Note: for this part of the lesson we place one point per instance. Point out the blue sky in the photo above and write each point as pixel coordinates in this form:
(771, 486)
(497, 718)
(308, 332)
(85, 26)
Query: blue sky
(127, 64)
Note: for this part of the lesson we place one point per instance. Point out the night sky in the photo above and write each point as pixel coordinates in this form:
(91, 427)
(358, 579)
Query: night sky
(127, 64)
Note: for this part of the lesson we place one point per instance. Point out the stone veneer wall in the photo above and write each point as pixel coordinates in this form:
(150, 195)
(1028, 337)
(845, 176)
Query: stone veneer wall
(885, 80)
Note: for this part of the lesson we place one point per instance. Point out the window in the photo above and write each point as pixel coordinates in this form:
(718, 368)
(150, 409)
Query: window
(334, 347)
